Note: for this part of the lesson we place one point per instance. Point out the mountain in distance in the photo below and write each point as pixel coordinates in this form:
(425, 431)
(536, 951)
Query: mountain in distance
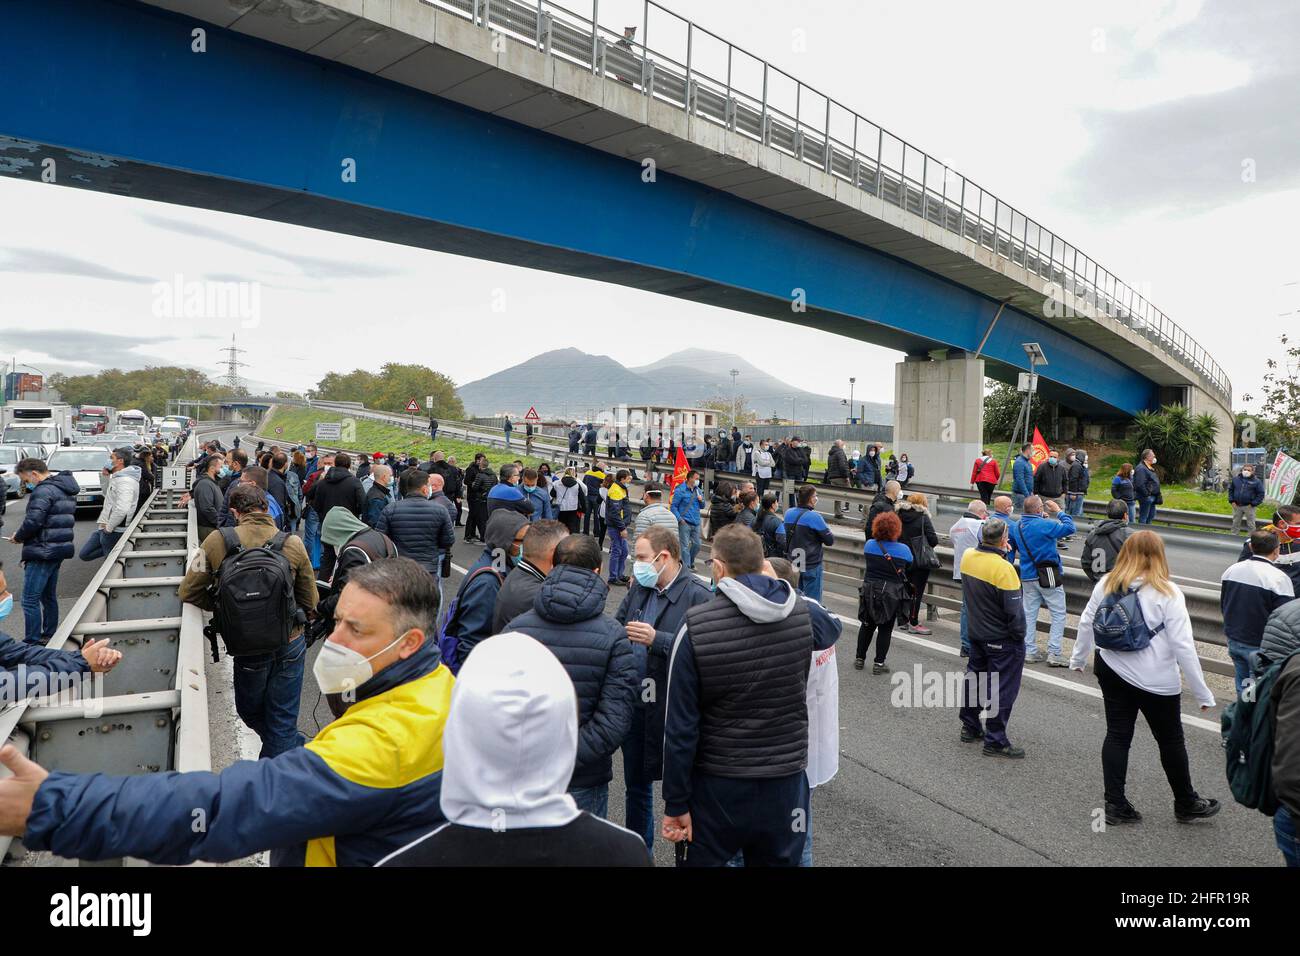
(571, 384)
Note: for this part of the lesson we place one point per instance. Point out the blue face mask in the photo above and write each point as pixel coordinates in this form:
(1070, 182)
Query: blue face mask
(645, 573)
(31, 485)
(6, 606)
(1052, 461)
(223, 471)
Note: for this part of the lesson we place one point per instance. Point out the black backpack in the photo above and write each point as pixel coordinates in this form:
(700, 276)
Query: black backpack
(255, 607)
(1248, 726)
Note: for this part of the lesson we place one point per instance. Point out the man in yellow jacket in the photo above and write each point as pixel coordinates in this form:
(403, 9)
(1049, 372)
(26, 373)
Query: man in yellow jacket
(367, 785)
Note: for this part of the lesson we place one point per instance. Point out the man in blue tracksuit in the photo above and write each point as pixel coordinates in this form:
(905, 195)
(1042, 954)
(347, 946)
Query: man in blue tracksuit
(541, 500)
(1022, 477)
(1034, 538)
(686, 504)
(805, 534)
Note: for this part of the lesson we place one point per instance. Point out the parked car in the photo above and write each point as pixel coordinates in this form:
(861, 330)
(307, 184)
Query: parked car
(10, 456)
(86, 462)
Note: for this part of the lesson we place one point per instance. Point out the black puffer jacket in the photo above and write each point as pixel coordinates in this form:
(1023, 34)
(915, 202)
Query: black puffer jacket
(916, 524)
(484, 481)
(338, 488)
(452, 478)
(837, 463)
(46, 531)
(568, 616)
(420, 527)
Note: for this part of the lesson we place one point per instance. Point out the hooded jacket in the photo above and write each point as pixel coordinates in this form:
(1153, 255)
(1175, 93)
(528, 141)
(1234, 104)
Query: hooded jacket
(120, 498)
(916, 524)
(837, 464)
(510, 743)
(368, 784)
(516, 595)
(1104, 544)
(618, 511)
(357, 545)
(869, 468)
(1022, 476)
(208, 502)
(46, 533)
(568, 616)
(476, 599)
(737, 688)
(420, 527)
(569, 495)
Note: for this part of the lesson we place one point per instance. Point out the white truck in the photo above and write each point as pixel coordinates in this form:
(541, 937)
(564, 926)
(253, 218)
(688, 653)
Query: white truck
(40, 425)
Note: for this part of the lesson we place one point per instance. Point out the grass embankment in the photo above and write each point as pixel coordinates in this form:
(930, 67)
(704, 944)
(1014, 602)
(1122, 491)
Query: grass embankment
(299, 426)
(1177, 497)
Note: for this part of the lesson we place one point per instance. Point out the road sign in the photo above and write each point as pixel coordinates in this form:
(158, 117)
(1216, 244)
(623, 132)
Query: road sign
(1027, 382)
(532, 415)
(173, 477)
(329, 431)
(412, 406)
(279, 430)
(428, 402)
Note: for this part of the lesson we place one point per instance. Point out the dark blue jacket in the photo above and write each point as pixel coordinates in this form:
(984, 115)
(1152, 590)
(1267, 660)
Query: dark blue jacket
(667, 614)
(421, 529)
(1121, 488)
(1022, 476)
(39, 663)
(568, 616)
(806, 531)
(541, 502)
(1246, 491)
(869, 469)
(476, 600)
(506, 495)
(46, 531)
(1146, 483)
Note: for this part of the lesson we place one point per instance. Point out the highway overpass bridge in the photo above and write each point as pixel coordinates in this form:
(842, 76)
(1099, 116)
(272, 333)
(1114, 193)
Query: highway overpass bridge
(518, 132)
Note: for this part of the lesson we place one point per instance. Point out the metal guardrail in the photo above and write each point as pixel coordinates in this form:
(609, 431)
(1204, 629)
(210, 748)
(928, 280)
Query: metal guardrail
(711, 78)
(150, 713)
(545, 449)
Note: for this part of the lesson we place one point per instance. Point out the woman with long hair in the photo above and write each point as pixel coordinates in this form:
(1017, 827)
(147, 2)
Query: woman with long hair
(918, 530)
(1121, 487)
(884, 589)
(1145, 680)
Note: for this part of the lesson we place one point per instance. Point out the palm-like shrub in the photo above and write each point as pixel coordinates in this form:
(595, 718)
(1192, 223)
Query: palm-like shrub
(1182, 441)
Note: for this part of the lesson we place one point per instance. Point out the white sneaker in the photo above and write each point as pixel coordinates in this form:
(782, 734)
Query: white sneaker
(1034, 657)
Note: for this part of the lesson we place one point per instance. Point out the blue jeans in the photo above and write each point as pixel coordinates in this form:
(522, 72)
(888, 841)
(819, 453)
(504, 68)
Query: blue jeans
(311, 536)
(40, 593)
(1132, 511)
(507, 441)
(617, 555)
(689, 537)
(1018, 500)
(1146, 510)
(267, 690)
(1035, 598)
(99, 544)
(965, 629)
(1285, 834)
(810, 582)
(1240, 654)
(639, 792)
(1075, 503)
(595, 800)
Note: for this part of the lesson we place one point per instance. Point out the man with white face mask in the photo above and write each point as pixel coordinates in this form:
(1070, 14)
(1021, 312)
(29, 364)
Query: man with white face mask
(511, 745)
(367, 785)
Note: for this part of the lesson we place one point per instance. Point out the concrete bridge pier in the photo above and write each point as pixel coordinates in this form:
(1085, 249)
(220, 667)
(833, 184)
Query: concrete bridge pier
(939, 415)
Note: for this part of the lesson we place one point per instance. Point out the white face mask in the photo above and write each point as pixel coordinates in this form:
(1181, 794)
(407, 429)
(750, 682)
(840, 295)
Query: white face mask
(340, 670)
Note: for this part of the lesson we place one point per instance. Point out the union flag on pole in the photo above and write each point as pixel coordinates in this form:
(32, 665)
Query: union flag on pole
(1039, 454)
(680, 468)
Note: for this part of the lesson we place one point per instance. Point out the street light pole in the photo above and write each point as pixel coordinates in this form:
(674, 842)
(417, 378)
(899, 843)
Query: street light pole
(734, 373)
(852, 381)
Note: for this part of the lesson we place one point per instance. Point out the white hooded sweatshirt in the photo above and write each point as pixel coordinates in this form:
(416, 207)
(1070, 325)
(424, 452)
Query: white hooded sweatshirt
(511, 738)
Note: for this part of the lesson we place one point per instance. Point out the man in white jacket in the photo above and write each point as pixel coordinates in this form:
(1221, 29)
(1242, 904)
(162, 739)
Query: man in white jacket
(120, 497)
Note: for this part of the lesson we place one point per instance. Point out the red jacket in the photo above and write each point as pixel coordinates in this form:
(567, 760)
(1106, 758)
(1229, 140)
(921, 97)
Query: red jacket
(986, 471)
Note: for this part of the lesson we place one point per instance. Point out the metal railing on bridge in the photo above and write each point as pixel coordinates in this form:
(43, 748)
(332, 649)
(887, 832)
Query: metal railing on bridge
(150, 713)
(711, 78)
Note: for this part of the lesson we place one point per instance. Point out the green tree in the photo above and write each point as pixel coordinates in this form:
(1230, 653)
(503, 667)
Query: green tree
(147, 389)
(392, 388)
(1002, 407)
(1182, 441)
(287, 394)
(723, 405)
(1280, 399)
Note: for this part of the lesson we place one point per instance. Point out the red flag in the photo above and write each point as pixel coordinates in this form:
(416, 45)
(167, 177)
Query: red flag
(680, 468)
(1039, 454)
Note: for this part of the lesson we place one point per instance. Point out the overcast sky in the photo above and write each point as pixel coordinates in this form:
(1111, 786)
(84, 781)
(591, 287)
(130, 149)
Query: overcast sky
(1161, 138)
